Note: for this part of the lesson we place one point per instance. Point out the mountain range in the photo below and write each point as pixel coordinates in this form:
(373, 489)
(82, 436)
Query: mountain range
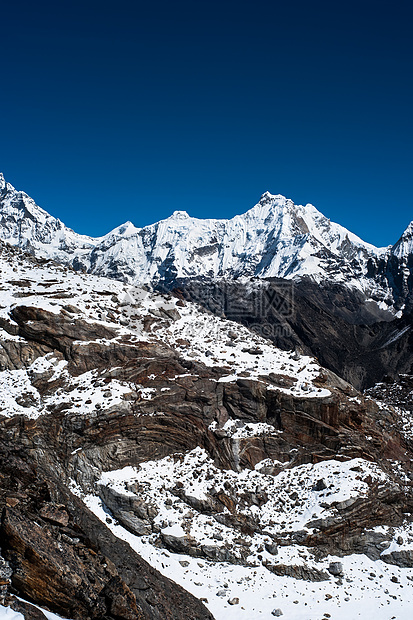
(274, 239)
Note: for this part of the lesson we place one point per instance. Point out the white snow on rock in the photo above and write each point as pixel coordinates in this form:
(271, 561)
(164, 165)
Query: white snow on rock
(210, 339)
(125, 309)
(365, 585)
(404, 247)
(275, 237)
(281, 512)
(6, 613)
(17, 395)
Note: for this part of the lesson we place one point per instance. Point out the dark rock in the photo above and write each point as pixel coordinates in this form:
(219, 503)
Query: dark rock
(271, 548)
(335, 569)
(402, 558)
(80, 570)
(219, 554)
(320, 485)
(298, 572)
(317, 315)
(55, 514)
(117, 501)
(71, 309)
(180, 544)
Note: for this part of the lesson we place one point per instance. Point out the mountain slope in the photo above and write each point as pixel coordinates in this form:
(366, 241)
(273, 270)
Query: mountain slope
(147, 443)
(274, 239)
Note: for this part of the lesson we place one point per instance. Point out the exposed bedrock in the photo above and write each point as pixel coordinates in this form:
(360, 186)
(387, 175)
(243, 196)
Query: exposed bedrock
(54, 544)
(347, 332)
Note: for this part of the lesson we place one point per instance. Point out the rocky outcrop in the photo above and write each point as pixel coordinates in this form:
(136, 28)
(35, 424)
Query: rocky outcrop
(298, 572)
(19, 354)
(347, 532)
(186, 398)
(38, 559)
(55, 547)
(402, 558)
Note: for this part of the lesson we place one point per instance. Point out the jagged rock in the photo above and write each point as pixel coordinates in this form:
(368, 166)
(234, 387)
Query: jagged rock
(48, 571)
(71, 309)
(79, 570)
(320, 485)
(320, 314)
(271, 548)
(15, 355)
(281, 380)
(181, 544)
(346, 503)
(349, 531)
(132, 523)
(126, 502)
(170, 313)
(56, 330)
(219, 554)
(208, 505)
(304, 572)
(402, 558)
(55, 514)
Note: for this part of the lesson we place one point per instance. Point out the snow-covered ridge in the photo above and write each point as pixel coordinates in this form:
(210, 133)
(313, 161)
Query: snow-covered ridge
(275, 238)
(24, 224)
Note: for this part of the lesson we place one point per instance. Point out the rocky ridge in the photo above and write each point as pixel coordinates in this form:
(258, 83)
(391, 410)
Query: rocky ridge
(341, 328)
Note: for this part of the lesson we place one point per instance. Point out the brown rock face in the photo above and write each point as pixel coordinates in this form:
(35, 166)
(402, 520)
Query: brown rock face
(64, 559)
(37, 558)
(56, 546)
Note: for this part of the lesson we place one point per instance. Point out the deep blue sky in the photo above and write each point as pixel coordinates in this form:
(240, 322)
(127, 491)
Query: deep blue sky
(129, 110)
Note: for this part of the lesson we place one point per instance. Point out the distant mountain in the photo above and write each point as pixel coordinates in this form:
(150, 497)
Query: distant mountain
(274, 239)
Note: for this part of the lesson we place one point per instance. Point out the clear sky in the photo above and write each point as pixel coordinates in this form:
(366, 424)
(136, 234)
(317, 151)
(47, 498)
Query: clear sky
(129, 110)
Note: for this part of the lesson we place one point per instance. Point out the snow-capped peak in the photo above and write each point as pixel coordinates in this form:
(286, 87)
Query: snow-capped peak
(180, 215)
(404, 246)
(24, 224)
(124, 230)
